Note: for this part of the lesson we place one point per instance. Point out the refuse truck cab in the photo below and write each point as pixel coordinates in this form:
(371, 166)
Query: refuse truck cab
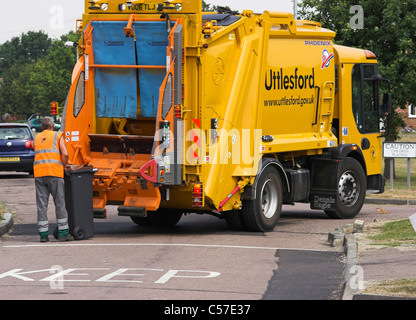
(234, 115)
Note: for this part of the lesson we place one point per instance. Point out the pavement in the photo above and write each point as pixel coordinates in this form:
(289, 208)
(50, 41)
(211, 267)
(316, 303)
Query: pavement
(362, 267)
(366, 267)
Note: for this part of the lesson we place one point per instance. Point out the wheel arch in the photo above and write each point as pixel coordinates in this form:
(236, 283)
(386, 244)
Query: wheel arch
(250, 192)
(349, 151)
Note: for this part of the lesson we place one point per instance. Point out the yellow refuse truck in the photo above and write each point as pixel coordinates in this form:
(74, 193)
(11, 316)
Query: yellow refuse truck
(227, 114)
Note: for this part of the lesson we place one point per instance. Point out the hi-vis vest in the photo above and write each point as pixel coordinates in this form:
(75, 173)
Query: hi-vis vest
(47, 155)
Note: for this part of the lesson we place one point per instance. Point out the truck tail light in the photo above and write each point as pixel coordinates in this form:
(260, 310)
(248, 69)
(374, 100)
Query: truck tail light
(178, 112)
(197, 195)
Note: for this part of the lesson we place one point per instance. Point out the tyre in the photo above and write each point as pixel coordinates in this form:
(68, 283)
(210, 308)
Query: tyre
(351, 190)
(160, 218)
(262, 213)
(235, 220)
(55, 232)
(78, 233)
(141, 221)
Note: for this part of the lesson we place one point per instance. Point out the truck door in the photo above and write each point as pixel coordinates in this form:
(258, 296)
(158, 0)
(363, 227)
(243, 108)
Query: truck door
(366, 112)
(168, 148)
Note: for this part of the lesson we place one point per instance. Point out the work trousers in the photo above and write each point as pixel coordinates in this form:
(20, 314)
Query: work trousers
(56, 187)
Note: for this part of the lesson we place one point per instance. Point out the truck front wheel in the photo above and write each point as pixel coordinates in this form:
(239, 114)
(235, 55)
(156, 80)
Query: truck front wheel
(351, 191)
(262, 213)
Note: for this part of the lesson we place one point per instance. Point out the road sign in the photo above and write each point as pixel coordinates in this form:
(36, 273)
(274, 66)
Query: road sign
(399, 150)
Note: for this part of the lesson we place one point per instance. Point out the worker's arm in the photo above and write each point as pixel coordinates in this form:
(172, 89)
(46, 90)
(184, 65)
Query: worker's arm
(64, 151)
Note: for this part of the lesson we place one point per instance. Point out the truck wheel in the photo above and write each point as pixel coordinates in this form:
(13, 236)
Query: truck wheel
(263, 213)
(351, 191)
(165, 218)
(235, 220)
(160, 218)
(141, 221)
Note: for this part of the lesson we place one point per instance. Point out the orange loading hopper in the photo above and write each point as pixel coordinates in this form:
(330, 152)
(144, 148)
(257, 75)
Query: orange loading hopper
(121, 181)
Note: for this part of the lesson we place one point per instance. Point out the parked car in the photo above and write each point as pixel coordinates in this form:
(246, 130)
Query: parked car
(16, 147)
(35, 121)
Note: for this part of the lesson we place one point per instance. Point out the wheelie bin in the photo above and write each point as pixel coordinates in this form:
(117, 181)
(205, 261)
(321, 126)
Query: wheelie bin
(78, 199)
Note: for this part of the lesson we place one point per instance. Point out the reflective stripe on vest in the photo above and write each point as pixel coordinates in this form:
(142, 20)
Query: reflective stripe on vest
(47, 155)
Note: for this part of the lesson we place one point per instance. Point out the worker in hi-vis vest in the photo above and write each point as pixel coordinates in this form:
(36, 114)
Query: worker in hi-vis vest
(51, 157)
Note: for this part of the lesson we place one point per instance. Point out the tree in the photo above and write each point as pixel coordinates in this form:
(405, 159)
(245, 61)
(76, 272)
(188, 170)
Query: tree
(24, 49)
(206, 7)
(388, 31)
(40, 74)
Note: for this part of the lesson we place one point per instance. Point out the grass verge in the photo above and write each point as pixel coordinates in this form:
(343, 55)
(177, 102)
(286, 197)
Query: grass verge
(395, 233)
(399, 287)
(3, 210)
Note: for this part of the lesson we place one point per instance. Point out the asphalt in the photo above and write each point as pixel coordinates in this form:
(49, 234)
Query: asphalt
(361, 268)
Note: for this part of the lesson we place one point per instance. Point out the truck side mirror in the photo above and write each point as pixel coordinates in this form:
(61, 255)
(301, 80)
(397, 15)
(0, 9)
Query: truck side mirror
(386, 109)
(386, 104)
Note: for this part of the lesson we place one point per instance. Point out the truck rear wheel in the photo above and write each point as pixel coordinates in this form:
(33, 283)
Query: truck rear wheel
(235, 220)
(351, 191)
(262, 213)
(160, 218)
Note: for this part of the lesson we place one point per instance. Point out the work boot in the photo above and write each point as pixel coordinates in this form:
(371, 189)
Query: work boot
(66, 238)
(63, 235)
(44, 236)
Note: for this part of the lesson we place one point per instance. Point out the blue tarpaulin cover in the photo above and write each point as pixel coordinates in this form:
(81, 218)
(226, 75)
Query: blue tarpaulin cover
(152, 40)
(116, 89)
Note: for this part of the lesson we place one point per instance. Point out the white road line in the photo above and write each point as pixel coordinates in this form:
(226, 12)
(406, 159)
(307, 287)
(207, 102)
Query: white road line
(154, 245)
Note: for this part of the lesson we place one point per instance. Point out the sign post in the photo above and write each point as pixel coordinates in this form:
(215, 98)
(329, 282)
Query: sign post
(392, 150)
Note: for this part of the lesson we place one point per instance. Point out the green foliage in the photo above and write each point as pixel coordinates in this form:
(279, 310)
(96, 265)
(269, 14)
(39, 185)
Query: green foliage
(206, 7)
(3, 210)
(388, 31)
(24, 49)
(36, 71)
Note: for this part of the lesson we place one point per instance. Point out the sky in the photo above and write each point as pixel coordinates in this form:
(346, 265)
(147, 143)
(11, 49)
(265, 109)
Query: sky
(58, 17)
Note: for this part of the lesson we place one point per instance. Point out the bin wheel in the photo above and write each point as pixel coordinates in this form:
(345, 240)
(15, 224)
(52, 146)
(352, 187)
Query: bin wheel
(55, 233)
(78, 233)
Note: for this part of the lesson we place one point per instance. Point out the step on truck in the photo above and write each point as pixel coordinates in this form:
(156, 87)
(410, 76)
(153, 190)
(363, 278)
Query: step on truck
(183, 111)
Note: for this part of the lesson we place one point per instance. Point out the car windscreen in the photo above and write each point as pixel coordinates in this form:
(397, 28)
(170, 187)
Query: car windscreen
(14, 133)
